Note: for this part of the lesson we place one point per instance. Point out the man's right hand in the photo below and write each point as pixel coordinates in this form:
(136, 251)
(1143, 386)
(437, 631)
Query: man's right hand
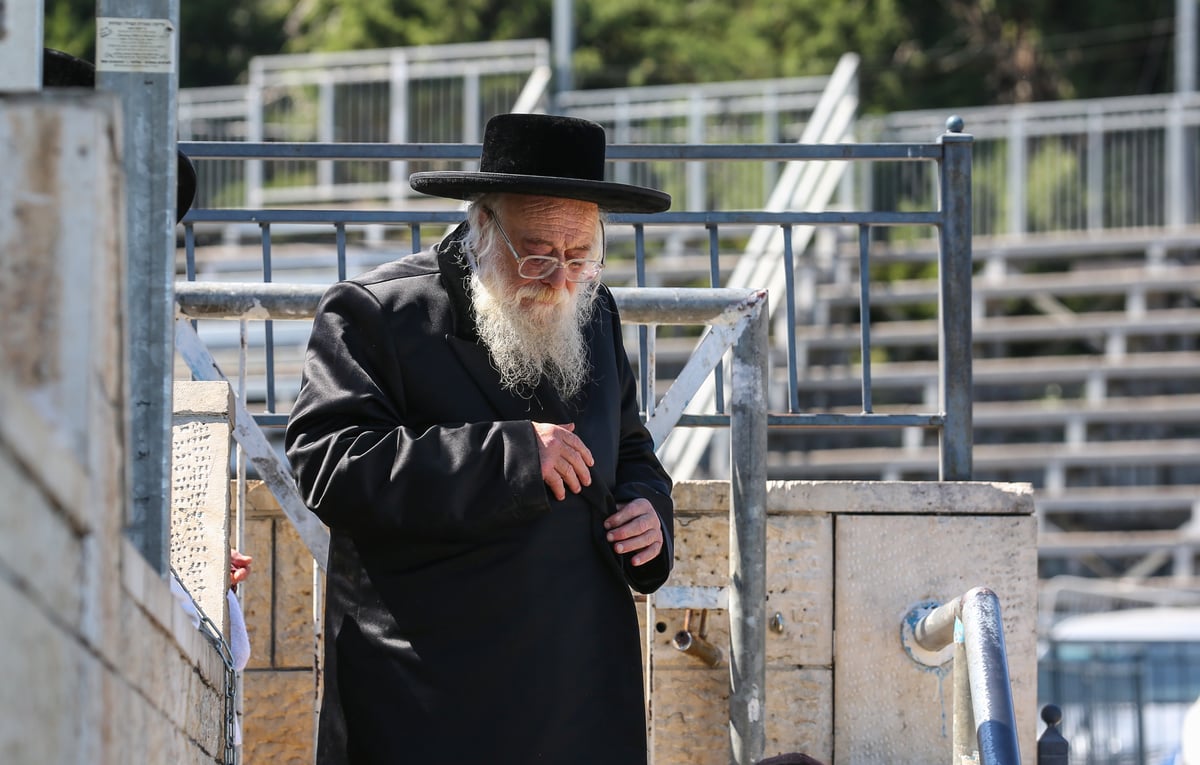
(564, 458)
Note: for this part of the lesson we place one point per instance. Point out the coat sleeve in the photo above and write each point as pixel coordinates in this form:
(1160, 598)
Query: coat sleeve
(362, 468)
(640, 474)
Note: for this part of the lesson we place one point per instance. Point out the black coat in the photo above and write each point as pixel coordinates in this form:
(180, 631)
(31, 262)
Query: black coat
(470, 617)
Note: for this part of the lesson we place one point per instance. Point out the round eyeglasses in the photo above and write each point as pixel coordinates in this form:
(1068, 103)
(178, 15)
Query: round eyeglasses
(542, 266)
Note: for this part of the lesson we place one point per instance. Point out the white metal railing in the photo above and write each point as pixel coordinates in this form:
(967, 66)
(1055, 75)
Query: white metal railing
(445, 93)
(1061, 167)
(390, 95)
(802, 186)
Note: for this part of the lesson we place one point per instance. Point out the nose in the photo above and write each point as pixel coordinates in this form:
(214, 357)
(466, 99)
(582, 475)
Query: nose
(556, 278)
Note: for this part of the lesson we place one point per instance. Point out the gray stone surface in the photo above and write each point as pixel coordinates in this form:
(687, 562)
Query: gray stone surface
(96, 665)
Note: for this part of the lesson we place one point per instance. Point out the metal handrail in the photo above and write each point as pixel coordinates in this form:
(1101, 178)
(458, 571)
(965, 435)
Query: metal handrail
(984, 720)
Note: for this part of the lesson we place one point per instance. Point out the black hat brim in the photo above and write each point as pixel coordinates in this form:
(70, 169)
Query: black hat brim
(609, 196)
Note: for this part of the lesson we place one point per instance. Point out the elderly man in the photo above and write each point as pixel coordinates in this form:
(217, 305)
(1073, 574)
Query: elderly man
(468, 429)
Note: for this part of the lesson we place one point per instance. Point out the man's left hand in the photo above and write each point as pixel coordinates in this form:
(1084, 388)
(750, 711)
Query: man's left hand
(635, 528)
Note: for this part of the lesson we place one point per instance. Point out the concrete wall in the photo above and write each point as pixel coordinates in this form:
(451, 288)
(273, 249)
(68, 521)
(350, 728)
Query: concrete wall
(99, 663)
(845, 562)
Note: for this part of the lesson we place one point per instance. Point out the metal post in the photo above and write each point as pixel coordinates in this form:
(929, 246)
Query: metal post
(1017, 189)
(398, 125)
(1095, 169)
(136, 54)
(1176, 170)
(564, 43)
(954, 303)
(1185, 46)
(697, 187)
(747, 542)
(1052, 748)
(256, 109)
(326, 132)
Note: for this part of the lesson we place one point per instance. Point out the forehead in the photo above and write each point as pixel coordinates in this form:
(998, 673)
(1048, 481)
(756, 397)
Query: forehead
(551, 218)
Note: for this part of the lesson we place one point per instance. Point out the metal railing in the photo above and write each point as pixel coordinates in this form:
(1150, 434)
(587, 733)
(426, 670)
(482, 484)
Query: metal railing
(985, 729)
(445, 93)
(1081, 166)
(952, 420)
(398, 95)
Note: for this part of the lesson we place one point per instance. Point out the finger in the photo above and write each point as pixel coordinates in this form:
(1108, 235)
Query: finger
(578, 466)
(570, 476)
(584, 452)
(638, 542)
(554, 482)
(629, 511)
(647, 555)
(639, 525)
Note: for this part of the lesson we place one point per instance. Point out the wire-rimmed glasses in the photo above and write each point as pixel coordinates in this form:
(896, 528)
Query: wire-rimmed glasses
(542, 266)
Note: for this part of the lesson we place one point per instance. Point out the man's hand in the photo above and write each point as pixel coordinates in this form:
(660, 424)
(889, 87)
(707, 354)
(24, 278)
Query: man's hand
(564, 458)
(635, 527)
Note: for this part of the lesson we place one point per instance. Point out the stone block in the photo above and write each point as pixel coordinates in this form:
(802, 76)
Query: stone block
(293, 617)
(256, 592)
(889, 709)
(60, 359)
(38, 545)
(690, 717)
(278, 726)
(799, 584)
(200, 494)
(40, 664)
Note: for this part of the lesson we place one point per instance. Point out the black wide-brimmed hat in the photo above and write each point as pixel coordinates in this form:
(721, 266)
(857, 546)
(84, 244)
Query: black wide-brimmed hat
(544, 155)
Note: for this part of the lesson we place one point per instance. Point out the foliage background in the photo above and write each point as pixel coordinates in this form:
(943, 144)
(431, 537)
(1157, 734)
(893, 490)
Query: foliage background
(915, 53)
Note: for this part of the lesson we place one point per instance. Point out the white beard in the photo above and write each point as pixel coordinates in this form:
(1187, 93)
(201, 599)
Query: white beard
(543, 338)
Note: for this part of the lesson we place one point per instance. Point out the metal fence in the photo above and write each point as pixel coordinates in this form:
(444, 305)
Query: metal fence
(398, 95)
(1123, 702)
(445, 94)
(1059, 167)
(336, 229)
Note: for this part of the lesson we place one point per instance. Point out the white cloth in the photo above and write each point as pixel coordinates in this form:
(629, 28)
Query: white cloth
(239, 640)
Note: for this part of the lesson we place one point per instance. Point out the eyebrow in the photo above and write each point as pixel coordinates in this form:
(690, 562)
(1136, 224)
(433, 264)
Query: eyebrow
(547, 243)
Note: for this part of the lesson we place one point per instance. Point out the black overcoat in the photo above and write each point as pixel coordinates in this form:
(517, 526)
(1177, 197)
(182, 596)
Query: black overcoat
(470, 617)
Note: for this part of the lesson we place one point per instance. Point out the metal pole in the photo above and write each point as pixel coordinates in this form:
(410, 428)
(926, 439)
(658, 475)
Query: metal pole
(563, 37)
(747, 541)
(954, 303)
(137, 44)
(1185, 46)
(987, 665)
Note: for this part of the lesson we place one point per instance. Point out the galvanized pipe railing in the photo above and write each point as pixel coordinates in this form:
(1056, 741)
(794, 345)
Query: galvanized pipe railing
(984, 721)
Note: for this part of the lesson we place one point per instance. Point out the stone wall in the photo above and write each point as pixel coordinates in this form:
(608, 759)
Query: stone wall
(100, 664)
(845, 562)
(279, 684)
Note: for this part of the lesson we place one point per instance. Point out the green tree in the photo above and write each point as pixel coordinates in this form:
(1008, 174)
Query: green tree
(217, 38)
(915, 53)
